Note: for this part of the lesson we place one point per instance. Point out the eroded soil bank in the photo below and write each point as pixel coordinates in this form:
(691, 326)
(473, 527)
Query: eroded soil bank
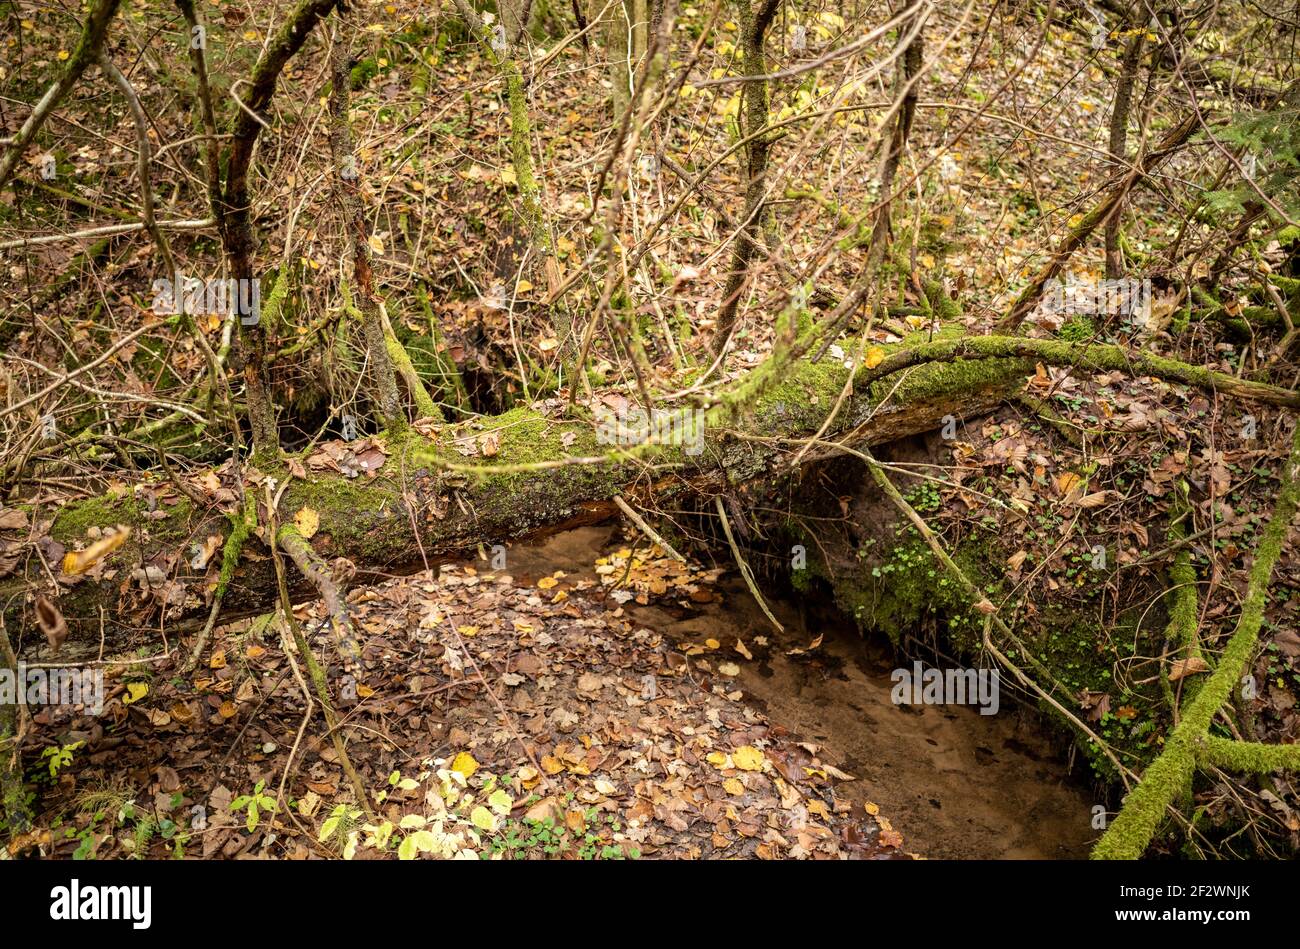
(955, 783)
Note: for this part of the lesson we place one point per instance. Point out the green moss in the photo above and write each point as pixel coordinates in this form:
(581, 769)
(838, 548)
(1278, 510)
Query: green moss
(806, 394)
(72, 522)
(896, 590)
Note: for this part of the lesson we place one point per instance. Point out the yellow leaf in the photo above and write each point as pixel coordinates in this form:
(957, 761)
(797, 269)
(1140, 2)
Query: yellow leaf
(712, 643)
(79, 561)
(376, 244)
(747, 758)
(552, 765)
(465, 764)
(135, 691)
(508, 176)
(1067, 482)
(307, 521)
(733, 786)
(546, 583)
(717, 759)
(875, 356)
(482, 818)
(365, 691)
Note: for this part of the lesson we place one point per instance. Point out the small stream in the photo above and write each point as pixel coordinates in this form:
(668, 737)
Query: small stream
(955, 783)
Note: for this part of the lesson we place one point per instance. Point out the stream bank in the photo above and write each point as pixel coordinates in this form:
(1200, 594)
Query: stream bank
(955, 783)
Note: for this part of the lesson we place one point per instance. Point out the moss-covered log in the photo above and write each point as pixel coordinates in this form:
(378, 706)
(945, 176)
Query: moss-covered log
(431, 501)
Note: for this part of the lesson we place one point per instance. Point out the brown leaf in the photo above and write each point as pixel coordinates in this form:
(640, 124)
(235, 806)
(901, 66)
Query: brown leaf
(51, 622)
(1186, 667)
(1288, 642)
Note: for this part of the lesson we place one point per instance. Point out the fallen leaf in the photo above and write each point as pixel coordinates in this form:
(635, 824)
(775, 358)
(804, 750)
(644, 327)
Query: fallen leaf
(51, 622)
(307, 521)
(465, 764)
(1180, 668)
(79, 561)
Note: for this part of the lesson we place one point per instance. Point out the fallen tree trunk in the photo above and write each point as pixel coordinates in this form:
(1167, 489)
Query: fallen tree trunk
(430, 503)
(538, 473)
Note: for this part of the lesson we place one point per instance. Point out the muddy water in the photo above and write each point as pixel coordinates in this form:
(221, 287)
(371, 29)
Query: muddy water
(954, 783)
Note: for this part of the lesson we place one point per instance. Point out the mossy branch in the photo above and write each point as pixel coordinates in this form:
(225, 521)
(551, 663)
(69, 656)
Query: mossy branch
(425, 407)
(242, 524)
(1246, 757)
(385, 396)
(14, 805)
(1087, 356)
(314, 669)
(94, 31)
(521, 133)
(328, 583)
(1143, 810)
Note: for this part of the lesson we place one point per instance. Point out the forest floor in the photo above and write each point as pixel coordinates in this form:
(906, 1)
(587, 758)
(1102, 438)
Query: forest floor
(610, 739)
(643, 711)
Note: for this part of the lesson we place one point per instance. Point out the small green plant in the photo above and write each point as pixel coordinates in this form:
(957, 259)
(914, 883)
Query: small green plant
(1077, 329)
(256, 803)
(58, 757)
(531, 839)
(340, 827)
